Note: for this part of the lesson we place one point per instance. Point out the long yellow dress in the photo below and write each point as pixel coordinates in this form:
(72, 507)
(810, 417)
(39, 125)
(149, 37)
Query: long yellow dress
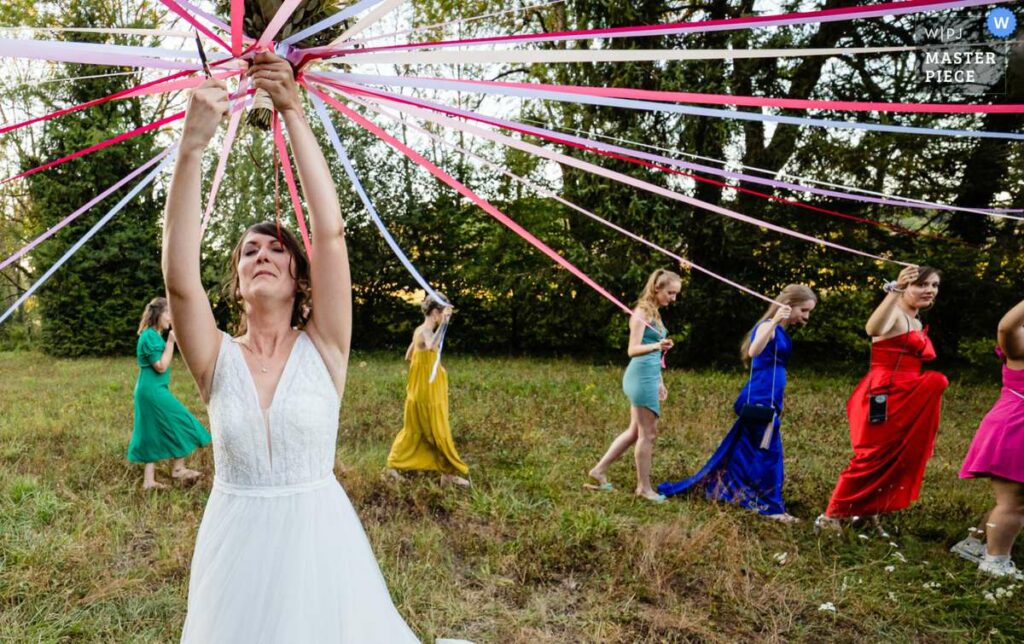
(425, 442)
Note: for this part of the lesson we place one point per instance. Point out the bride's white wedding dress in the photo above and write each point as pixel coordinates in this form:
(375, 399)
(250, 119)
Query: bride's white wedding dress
(281, 555)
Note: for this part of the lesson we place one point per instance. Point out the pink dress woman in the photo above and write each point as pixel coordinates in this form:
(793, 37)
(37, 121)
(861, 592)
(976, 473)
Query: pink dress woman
(998, 446)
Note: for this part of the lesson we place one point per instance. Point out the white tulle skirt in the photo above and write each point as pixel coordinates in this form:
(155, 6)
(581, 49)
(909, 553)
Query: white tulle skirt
(287, 565)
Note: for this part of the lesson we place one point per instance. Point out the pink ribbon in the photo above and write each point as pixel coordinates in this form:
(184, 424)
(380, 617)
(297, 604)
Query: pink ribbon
(472, 196)
(286, 9)
(96, 101)
(225, 150)
(178, 9)
(293, 191)
(237, 15)
(99, 146)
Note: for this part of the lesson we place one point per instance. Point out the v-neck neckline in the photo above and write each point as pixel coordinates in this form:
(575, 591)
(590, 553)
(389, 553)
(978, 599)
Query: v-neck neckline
(280, 381)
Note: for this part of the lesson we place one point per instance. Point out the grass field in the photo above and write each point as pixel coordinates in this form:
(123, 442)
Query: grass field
(526, 555)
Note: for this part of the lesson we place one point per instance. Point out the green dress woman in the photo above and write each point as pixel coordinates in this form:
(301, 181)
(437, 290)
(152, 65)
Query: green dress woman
(164, 428)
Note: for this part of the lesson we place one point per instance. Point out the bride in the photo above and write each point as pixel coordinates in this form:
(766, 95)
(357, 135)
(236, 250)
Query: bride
(281, 555)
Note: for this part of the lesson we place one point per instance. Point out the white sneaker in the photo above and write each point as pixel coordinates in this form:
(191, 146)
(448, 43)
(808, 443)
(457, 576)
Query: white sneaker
(971, 549)
(1001, 569)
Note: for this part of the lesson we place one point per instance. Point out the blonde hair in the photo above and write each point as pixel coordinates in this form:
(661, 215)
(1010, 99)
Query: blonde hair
(792, 294)
(430, 303)
(151, 314)
(647, 305)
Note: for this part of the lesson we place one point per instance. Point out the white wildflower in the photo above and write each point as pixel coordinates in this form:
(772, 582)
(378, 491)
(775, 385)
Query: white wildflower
(890, 568)
(863, 536)
(990, 597)
(899, 555)
(892, 597)
(781, 558)
(828, 606)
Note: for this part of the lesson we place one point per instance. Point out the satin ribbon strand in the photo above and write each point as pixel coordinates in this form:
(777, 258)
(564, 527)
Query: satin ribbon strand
(555, 196)
(178, 9)
(87, 236)
(568, 97)
(229, 139)
(473, 197)
(696, 26)
(366, 21)
(117, 31)
(284, 12)
(68, 53)
(590, 143)
(330, 21)
(886, 199)
(626, 179)
(235, 28)
(293, 190)
(53, 230)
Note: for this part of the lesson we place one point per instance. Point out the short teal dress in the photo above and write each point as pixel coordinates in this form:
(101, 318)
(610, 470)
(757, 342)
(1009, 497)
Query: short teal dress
(643, 375)
(164, 428)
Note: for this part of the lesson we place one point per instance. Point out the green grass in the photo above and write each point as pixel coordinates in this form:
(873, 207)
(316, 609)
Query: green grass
(526, 555)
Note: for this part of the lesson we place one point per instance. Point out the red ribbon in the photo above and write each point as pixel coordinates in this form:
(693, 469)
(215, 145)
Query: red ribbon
(293, 190)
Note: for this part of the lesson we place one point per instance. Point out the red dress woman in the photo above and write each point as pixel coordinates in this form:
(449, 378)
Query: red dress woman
(894, 411)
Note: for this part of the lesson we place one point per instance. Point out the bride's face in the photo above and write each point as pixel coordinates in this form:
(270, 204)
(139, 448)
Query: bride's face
(265, 270)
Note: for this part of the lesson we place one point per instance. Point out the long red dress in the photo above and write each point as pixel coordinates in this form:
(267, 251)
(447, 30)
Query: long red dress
(889, 458)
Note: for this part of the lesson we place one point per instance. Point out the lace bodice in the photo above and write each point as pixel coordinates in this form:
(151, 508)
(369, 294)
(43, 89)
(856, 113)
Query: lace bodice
(302, 420)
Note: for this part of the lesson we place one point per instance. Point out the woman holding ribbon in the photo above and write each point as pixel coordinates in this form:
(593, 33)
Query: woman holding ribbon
(164, 428)
(281, 555)
(997, 453)
(894, 411)
(747, 468)
(425, 442)
(643, 384)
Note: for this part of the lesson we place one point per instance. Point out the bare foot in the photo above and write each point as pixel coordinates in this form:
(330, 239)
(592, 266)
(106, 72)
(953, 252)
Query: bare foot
(186, 475)
(600, 477)
(451, 479)
(394, 474)
(783, 517)
(153, 486)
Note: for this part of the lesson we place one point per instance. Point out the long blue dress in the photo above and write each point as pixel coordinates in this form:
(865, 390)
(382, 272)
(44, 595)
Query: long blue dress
(740, 471)
(643, 375)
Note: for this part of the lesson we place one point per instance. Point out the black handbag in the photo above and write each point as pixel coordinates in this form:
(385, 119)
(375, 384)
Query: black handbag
(756, 414)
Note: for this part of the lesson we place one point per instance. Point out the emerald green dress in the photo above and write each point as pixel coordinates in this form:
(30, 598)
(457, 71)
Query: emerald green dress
(164, 428)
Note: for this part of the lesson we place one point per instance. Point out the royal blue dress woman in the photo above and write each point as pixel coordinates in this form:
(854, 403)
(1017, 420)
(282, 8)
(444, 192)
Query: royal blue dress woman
(747, 467)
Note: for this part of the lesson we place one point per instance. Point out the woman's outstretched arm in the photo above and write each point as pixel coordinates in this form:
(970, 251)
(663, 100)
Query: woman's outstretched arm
(194, 325)
(331, 283)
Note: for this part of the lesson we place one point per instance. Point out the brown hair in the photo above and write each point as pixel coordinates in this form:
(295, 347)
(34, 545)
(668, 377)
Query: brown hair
(151, 314)
(431, 303)
(792, 294)
(298, 268)
(658, 280)
(925, 272)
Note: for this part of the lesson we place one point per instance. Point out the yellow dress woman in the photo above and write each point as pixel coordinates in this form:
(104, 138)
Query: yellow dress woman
(425, 442)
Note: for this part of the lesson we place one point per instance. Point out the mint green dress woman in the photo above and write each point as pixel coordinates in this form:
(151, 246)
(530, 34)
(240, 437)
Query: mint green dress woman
(643, 375)
(164, 428)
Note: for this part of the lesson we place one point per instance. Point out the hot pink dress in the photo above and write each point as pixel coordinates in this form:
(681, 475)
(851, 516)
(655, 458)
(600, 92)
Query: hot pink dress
(998, 446)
